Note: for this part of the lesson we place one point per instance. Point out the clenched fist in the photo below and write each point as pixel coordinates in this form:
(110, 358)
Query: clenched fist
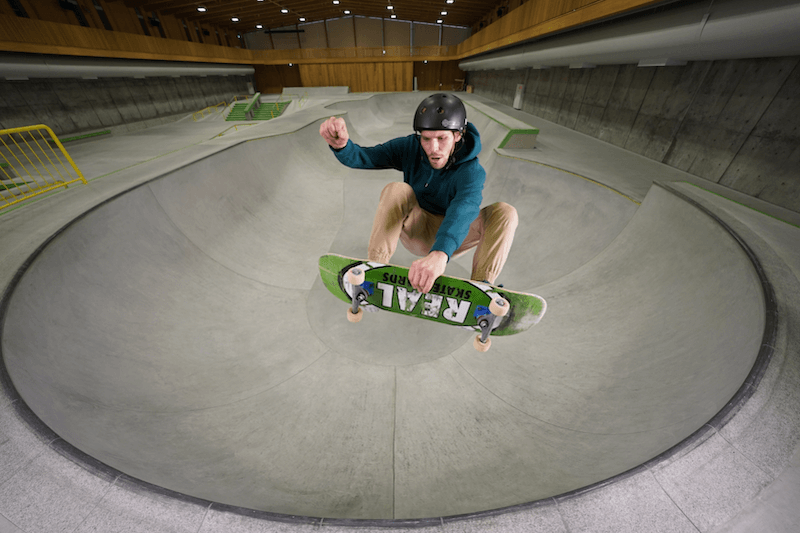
(423, 272)
(334, 131)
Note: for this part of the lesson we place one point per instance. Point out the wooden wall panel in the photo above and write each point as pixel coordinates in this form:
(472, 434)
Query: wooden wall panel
(452, 78)
(357, 76)
(537, 19)
(290, 75)
(48, 10)
(104, 5)
(427, 75)
(173, 28)
(399, 76)
(90, 14)
(360, 77)
(532, 19)
(37, 36)
(203, 29)
(372, 77)
(197, 32)
(121, 18)
(313, 75)
(336, 75)
(271, 79)
(438, 76)
(408, 77)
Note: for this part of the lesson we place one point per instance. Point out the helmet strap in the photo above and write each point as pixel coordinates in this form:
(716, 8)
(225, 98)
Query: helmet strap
(452, 159)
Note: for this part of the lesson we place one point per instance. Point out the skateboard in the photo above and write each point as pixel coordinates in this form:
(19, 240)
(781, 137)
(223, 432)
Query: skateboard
(458, 302)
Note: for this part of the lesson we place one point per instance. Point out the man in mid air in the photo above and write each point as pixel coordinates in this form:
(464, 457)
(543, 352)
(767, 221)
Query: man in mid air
(435, 211)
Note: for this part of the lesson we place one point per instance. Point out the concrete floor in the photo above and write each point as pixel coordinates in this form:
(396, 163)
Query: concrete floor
(153, 373)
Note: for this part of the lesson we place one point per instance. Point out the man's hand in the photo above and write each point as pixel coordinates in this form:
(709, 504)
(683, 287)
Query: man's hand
(423, 272)
(334, 131)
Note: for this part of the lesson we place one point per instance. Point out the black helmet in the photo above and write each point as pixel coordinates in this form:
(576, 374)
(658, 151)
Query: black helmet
(441, 112)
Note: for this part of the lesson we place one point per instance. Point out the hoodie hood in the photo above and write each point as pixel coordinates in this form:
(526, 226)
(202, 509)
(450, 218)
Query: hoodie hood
(470, 146)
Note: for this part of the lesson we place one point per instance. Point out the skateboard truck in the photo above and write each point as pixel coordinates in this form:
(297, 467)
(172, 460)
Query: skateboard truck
(355, 277)
(498, 307)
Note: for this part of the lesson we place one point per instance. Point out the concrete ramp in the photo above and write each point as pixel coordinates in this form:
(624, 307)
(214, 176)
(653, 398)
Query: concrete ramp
(179, 333)
(381, 117)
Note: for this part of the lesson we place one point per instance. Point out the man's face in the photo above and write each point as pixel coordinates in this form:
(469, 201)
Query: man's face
(438, 146)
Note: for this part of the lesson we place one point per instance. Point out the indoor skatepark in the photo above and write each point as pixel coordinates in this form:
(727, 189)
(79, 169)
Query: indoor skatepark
(191, 346)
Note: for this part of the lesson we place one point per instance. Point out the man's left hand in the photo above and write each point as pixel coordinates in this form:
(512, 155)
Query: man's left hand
(423, 272)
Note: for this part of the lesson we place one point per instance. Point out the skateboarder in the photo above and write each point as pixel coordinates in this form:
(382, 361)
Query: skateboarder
(435, 211)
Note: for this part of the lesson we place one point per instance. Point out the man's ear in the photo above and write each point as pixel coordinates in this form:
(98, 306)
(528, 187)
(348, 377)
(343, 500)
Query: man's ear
(456, 136)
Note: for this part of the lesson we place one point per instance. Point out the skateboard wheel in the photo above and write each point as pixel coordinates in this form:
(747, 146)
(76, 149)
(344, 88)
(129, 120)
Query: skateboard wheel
(355, 317)
(482, 346)
(499, 306)
(355, 276)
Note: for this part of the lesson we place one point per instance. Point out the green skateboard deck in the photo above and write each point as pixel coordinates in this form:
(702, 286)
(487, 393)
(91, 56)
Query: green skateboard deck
(453, 301)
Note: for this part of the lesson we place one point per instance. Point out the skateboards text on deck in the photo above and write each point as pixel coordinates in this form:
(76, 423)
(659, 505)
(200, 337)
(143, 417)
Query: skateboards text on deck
(459, 302)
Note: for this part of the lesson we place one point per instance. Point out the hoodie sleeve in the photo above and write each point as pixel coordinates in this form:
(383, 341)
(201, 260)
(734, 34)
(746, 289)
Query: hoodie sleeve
(386, 155)
(462, 211)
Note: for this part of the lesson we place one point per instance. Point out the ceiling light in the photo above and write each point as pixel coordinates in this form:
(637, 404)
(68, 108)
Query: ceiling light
(234, 19)
(201, 9)
(444, 13)
(284, 10)
(439, 21)
(394, 16)
(336, 2)
(302, 19)
(259, 26)
(346, 11)
(389, 7)
(450, 1)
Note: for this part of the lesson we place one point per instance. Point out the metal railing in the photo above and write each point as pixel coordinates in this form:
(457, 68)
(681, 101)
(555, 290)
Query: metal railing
(301, 99)
(31, 164)
(208, 111)
(235, 128)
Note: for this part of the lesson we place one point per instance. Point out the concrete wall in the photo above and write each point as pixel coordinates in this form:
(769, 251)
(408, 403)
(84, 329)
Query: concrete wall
(77, 105)
(734, 122)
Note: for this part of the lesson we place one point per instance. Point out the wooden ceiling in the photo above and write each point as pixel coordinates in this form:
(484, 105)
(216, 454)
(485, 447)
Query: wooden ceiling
(268, 13)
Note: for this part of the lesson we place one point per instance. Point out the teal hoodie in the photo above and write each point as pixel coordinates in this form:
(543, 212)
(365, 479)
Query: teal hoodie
(455, 192)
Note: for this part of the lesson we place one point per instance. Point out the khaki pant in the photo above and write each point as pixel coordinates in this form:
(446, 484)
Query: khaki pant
(399, 217)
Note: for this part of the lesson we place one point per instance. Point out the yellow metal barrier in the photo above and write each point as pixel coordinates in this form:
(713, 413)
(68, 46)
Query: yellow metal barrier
(209, 110)
(30, 165)
(301, 98)
(235, 127)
